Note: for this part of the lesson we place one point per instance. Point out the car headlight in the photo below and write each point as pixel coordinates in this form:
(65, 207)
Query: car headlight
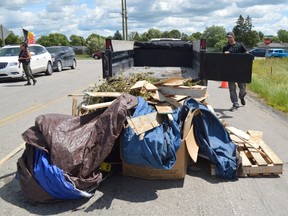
(11, 64)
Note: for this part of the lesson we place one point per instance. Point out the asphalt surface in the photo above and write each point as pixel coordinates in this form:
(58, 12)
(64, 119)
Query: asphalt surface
(198, 194)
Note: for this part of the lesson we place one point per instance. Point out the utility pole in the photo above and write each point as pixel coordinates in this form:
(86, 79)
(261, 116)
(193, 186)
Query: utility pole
(124, 20)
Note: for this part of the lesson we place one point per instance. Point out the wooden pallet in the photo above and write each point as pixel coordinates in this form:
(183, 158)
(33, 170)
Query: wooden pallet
(257, 157)
(255, 162)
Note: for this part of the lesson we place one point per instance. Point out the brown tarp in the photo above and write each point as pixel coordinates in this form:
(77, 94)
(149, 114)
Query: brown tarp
(77, 145)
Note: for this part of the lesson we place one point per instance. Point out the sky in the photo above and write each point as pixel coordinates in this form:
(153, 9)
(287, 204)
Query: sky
(103, 17)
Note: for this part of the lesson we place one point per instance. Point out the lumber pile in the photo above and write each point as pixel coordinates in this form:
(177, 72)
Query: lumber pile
(165, 95)
(257, 157)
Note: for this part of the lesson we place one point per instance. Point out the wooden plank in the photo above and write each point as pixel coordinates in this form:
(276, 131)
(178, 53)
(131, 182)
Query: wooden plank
(103, 94)
(238, 132)
(276, 160)
(163, 109)
(179, 97)
(150, 87)
(269, 169)
(183, 90)
(74, 106)
(97, 106)
(141, 124)
(245, 160)
(139, 84)
(176, 81)
(257, 156)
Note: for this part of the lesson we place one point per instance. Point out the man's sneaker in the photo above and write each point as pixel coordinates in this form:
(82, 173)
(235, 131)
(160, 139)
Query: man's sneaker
(34, 82)
(28, 83)
(234, 107)
(243, 102)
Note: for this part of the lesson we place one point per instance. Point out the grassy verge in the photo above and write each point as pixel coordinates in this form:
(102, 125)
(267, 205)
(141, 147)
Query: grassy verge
(270, 82)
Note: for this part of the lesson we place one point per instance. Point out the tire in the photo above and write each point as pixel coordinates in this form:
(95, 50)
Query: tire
(96, 57)
(49, 69)
(74, 64)
(59, 66)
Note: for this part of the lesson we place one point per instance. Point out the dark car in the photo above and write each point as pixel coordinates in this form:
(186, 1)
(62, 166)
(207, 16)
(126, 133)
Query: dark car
(62, 57)
(97, 55)
(258, 52)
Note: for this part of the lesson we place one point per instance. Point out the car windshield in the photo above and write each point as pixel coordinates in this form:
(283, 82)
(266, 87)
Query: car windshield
(11, 51)
(53, 49)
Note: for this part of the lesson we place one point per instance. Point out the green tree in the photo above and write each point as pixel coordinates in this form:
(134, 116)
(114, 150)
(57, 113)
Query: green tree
(77, 40)
(175, 34)
(95, 43)
(244, 33)
(282, 35)
(213, 35)
(261, 35)
(134, 36)
(117, 36)
(12, 39)
(197, 35)
(153, 33)
(54, 39)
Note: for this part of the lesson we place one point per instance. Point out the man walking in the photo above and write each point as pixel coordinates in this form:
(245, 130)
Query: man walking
(235, 47)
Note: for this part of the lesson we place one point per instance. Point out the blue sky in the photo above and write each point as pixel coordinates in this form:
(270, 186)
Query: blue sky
(103, 17)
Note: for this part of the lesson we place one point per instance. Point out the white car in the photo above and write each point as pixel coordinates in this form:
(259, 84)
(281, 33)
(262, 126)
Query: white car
(41, 61)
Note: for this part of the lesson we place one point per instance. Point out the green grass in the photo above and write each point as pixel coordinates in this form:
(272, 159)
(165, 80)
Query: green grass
(270, 82)
(83, 57)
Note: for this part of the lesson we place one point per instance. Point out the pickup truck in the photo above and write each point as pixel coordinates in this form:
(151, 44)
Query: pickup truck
(173, 59)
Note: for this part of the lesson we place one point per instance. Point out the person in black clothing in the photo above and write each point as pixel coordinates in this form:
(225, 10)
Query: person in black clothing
(235, 47)
(24, 58)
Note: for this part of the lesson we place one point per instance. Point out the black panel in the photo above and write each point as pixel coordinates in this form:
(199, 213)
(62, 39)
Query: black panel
(227, 67)
(162, 57)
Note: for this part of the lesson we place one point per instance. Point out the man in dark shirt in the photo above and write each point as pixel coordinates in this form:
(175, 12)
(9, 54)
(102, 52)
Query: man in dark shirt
(235, 47)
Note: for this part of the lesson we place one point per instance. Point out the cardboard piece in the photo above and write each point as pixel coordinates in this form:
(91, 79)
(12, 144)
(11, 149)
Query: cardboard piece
(179, 170)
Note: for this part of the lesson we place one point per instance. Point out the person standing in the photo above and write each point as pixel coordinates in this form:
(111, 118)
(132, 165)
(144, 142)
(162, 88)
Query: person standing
(235, 47)
(24, 58)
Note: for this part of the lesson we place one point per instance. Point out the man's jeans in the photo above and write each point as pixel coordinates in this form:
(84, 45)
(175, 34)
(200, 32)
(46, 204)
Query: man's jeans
(233, 93)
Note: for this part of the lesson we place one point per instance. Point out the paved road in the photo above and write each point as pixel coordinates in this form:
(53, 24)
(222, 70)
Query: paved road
(198, 194)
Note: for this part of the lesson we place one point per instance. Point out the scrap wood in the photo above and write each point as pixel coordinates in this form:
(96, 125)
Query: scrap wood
(245, 141)
(97, 106)
(139, 84)
(163, 108)
(144, 84)
(143, 123)
(238, 132)
(183, 90)
(161, 98)
(103, 94)
(176, 81)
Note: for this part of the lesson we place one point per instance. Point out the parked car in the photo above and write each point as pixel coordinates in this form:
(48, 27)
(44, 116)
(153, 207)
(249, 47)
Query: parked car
(97, 55)
(41, 61)
(258, 52)
(279, 53)
(62, 57)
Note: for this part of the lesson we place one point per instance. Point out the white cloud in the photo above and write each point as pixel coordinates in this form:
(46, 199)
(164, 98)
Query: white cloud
(104, 16)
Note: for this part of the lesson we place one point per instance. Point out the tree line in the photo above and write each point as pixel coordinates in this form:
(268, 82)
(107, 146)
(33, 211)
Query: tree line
(214, 35)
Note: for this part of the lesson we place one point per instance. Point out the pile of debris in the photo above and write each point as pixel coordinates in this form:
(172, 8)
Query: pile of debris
(144, 127)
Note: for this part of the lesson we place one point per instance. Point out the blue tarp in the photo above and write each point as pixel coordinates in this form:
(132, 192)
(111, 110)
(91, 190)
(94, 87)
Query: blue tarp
(52, 179)
(213, 140)
(159, 146)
